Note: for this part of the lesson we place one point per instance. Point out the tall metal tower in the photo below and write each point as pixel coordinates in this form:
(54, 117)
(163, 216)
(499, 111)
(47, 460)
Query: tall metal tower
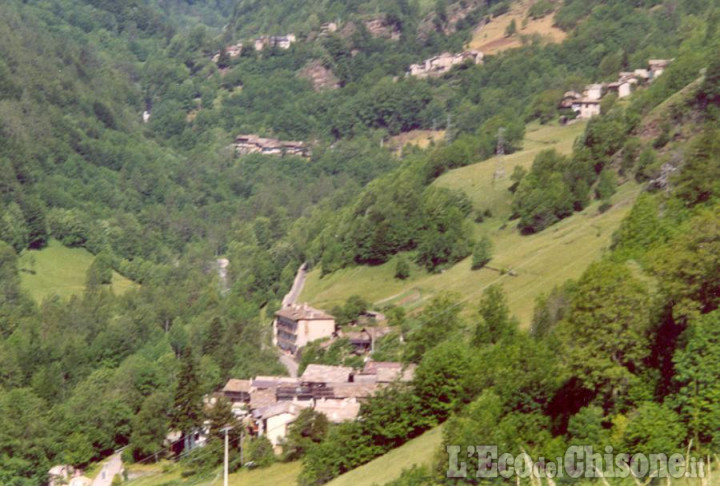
(500, 155)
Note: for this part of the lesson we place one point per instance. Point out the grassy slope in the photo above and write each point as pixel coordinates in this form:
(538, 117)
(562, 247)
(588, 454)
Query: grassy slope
(420, 451)
(490, 38)
(541, 261)
(167, 472)
(60, 271)
(477, 179)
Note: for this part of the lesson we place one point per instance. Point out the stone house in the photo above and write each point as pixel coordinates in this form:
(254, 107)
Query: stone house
(253, 144)
(439, 65)
(657, 67)
(273, 421)
(237, 391)
(296, 326)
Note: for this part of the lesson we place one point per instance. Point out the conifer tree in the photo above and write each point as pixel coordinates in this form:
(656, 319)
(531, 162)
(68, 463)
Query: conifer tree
(187, 412)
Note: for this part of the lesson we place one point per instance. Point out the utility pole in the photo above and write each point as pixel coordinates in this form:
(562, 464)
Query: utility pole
(225, 467)
(448, 134)
(242, 448)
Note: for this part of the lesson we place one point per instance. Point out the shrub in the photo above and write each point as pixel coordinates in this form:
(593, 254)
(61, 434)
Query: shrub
(482, 253)
(402, 268)
(606, 186)
(260, 452)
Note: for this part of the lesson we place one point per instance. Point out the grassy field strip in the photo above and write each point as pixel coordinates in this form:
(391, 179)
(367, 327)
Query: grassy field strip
(517, 295)
(58, 270)
(542, 261)
(540, 287)
(275, 475)
(478, 182)
(281, 473)
(572, 231)
(419, 451)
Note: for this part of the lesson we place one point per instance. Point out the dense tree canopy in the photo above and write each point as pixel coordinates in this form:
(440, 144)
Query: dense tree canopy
(159, 202)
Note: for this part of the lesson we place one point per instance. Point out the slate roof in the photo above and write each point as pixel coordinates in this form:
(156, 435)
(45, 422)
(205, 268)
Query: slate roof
(262, 398)
(237, 386)
(264, 382)
(303, 312)
(315, 373)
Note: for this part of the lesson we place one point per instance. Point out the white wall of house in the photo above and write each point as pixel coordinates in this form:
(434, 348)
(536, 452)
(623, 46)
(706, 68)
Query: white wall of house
(310, 330)
(276, 427)
(624, 90)
(589, 110)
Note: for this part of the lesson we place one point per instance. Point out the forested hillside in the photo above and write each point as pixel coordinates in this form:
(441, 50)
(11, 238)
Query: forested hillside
(116, 133)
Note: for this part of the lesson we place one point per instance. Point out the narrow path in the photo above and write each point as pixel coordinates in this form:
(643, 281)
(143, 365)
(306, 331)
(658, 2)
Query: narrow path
(289, 362)
(291, 298)
(110, 468)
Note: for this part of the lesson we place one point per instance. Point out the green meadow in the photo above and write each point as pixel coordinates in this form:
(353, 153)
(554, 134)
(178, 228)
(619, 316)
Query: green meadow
(60, 271)
(526, 266)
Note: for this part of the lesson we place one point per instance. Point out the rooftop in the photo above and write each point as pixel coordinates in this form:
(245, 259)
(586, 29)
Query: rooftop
(315, 373)
(303, 312)
(263, 382)
(372, 367)
(386, 372)
(262, 398)
(280, 408)
(236, 386)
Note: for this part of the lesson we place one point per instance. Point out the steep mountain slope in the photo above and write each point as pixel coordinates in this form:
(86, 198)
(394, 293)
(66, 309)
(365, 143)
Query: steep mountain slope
(117, 130)
(495, 36)
(539, 262)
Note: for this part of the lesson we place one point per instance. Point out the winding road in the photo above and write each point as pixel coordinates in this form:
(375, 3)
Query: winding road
(289, 362)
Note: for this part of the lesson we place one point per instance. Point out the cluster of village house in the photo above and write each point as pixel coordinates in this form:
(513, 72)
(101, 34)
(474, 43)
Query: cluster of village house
(439, 65)
(279, 41)
(268, 405)
(262, 42)
(587, 104)
(252, 144)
